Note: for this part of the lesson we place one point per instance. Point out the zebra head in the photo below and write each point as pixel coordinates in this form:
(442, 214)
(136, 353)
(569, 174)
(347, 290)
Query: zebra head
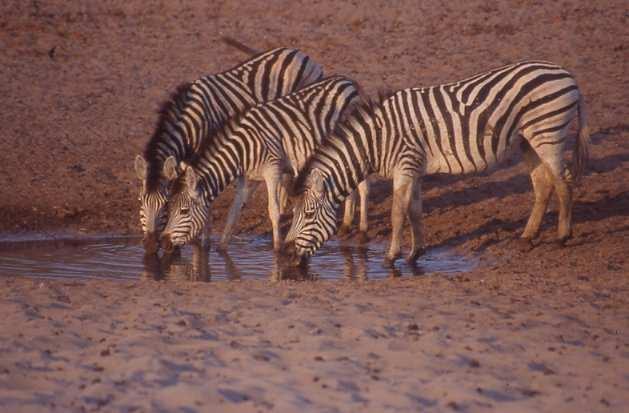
(314, 220)
(188, 212)
(153, 196)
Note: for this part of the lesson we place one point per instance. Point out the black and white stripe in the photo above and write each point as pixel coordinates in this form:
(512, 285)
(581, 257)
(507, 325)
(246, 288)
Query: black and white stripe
(262, 144)
(199, 108)
(463, 127)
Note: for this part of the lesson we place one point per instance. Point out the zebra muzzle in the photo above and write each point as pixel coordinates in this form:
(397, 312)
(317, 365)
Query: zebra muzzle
(150, 243)
(167, 244)
(290, 257)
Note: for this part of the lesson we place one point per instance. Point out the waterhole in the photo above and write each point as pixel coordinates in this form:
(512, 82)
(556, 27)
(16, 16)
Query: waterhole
(248, 258)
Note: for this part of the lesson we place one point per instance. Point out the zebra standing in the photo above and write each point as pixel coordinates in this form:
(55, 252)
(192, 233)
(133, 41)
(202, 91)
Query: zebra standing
(463, 127)
(260, 144)
(195, 110)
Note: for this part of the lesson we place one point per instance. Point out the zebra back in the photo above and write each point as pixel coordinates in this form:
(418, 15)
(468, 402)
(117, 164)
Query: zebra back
(285, 130)
(196, 110)
(470, 126)
(462, 127)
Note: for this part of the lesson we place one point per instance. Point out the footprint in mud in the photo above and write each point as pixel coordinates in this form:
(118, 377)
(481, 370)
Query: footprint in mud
(233, 395)
(422, 402)
(507, 396)
(350, 387)
(541, 367)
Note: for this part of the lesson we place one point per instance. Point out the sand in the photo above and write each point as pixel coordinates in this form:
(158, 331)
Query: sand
(479, 342)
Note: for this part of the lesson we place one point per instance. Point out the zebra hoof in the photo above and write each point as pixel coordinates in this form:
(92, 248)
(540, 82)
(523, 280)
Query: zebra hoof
(175, 252)
(389, 261)
(343, 231)
(563, 241)
(525, 244)
(362, 237)
(412, 258)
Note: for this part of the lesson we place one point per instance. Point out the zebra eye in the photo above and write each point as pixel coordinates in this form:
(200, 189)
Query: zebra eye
(185, 210)
(309, 213)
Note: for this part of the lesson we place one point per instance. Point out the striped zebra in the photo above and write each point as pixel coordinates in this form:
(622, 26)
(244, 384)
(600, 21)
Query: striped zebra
(196, 110)
(457, 128)
(261, 144)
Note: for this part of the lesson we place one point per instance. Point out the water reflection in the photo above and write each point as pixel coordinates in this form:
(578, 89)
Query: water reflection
(232, 272)
(355, 266)
(175, 267)
(248, 258)
(282, 272)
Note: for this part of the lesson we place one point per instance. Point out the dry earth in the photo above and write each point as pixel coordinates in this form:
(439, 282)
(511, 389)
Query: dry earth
(545, 330)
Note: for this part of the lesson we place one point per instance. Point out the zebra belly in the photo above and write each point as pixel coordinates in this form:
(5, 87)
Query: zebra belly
(262, 171)
(447, 162)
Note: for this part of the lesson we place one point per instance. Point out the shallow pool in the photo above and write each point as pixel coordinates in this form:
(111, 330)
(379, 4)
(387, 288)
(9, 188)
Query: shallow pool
(123, 258)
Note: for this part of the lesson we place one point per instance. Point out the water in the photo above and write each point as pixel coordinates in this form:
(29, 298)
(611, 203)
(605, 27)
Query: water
(248, 258)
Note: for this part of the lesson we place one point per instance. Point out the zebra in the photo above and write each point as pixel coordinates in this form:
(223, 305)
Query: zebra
(464, 127)
(197, 109)
(260, 144)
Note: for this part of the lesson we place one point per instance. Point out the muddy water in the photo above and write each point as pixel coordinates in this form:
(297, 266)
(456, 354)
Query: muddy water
(248, 258)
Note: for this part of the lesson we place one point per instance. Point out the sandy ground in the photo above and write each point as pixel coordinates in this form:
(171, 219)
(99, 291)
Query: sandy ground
(480, 342)
(545, 330)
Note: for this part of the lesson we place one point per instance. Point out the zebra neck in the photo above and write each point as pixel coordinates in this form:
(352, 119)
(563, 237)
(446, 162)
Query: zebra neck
(347, 161)
(218, 168)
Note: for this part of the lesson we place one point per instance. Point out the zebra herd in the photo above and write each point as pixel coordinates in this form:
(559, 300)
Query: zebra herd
(276, 119)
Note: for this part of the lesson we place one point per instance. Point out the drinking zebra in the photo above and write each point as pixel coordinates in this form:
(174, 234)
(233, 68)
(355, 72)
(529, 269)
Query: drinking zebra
(463, 127)
(196, 110)
(260, 144)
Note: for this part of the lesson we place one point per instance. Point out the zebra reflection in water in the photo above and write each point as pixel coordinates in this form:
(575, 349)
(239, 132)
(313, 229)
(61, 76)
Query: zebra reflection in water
(174, 267)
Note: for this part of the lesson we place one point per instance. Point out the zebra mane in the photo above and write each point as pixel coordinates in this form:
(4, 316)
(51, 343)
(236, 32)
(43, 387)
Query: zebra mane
(219, 130)
(235, 121)
(169, 112)
(364, 109)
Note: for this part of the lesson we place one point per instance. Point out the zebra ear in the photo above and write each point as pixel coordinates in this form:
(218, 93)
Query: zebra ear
(140, 167)
(191, 183)
(317, 181)
(169, 170)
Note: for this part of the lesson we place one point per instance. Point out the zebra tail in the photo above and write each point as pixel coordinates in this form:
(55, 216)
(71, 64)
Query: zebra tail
(582, 148)
(230, 41)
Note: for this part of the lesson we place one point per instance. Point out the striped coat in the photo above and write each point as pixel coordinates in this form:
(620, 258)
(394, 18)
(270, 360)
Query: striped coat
(261, 144)
(196, 110)
(462, 127)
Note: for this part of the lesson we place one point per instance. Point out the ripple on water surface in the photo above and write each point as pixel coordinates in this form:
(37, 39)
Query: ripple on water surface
(248, 258)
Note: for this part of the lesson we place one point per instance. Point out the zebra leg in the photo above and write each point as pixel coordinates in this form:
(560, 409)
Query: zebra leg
(551, 156)
(415, 219)
(402, 191)
(348, 215)
(283, 192)
(563, 188)
(244, 189)
(273, 178)
(542, 182)
(363, 192)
